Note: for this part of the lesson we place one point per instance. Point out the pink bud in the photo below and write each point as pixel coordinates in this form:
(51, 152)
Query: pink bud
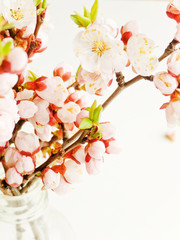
(79, 154)
(27, 143)
(108, 130)
(63, 187)
(165, 83)
(7, 81)
(13, 178)
(83, 114)
(27, 109)
(11, 157)
(50, 178)
(129, 29)
(173, 113)
(96, 149)
(68, 112)
(74, 172)
(18, 59)
(174, 63)
(25, 165)
(94, 166)
(63, 70)
(113, 147)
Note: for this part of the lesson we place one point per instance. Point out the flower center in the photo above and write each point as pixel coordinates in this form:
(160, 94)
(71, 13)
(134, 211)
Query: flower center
(17, 14)
(99, 47)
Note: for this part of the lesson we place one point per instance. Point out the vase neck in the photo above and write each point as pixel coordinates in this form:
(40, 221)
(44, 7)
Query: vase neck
(27, 207)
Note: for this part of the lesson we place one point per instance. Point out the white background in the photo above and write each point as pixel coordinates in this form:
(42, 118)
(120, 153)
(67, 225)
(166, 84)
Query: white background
(137, 195)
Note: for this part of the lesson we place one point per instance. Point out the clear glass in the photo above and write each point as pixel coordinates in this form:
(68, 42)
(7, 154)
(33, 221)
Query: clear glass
(28, 217)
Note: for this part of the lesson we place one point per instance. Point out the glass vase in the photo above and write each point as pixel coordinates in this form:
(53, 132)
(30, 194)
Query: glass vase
(28, 217)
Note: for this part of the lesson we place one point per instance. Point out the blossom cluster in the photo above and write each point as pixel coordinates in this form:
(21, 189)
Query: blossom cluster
(66, 138)
(168, 81)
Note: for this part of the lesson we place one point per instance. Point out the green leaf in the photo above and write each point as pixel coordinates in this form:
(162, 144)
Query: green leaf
(77, 71)
(87, 109)
(85, 124)
(97, 113)
(83, 20)
(37, 2)
(87, 13)
(39, 11)
(44, 4)
(6, 48)
(94, 11)
(75, 20)
(33, 76)
(91, 111)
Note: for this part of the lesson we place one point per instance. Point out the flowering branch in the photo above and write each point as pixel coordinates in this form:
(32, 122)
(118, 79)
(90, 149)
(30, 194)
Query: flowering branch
(55, 110)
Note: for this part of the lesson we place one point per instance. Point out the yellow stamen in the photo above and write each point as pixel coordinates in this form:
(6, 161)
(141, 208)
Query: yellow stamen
(100, 47)
(17, 14)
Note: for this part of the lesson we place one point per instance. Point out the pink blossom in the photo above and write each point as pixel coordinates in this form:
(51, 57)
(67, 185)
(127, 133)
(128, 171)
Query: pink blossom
(43, 132)
(18, 59)
(9, 106)
(165, 83)
(42, 115)
(7, 81)
(50, 178)
(113, 147)
(79, 154)
(108, 24)
(27, 109)
(139, 50)
(6, 126)
(13, 178)
(96, 149)
(96, 83)
(27, 143)
(63, 70)
(25, 165)
(68, 112)
(74, 172)
(173, 113)
(11, 157)
(25, 94)
(128, 30)
(98, 51)
(174, 63)
(80, 116)
(108, 130)
(63, 187)
(94, 166)
(55, 92)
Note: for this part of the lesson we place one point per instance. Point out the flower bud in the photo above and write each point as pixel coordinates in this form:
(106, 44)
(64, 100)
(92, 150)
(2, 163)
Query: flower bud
(13, 178)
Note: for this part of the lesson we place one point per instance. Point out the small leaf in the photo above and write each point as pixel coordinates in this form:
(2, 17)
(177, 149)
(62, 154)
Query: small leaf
(37, 2)
(94, 11)
(33, 76)
(97, 113)
(39, 11)
(78, 71)
(75, 20)
(87, 13)
(7, 48)
(83, 20)
(91, 111)
(44, 4)
(85, 124)
(87, 109)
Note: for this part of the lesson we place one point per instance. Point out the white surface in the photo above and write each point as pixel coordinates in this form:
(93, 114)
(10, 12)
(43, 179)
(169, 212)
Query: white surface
(137, 195)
